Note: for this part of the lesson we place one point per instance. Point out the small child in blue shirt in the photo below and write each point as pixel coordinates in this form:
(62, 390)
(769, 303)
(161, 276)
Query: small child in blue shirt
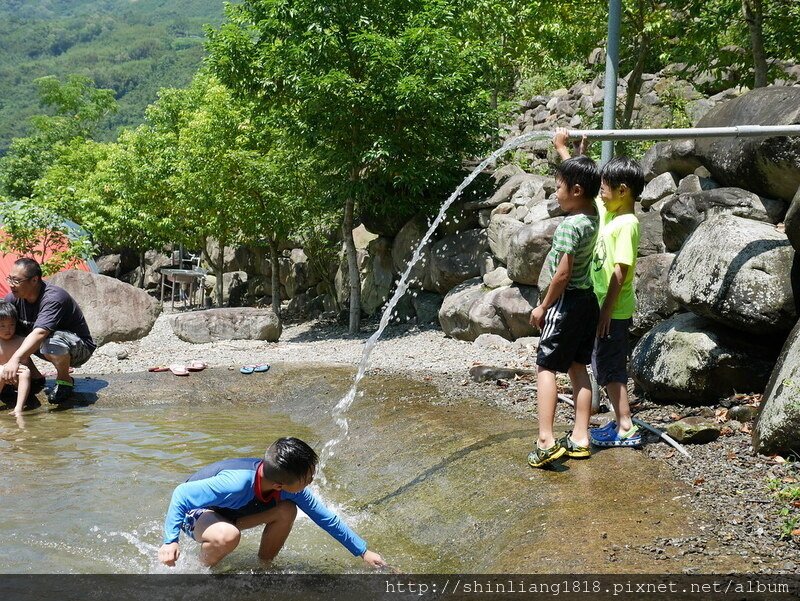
(215, 504)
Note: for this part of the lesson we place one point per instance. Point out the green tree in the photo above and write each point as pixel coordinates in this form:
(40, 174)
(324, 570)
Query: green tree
(77, 106)
(382, 96)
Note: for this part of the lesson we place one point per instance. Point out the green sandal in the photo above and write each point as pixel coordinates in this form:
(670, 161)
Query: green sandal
(573, 449)
(541, 457)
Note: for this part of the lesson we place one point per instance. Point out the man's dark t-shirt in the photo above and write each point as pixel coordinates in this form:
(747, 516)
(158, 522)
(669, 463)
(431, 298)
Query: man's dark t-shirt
(54, 310)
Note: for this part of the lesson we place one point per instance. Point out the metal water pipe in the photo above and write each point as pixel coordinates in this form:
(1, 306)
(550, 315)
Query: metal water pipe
(612, 68)
(735, 131)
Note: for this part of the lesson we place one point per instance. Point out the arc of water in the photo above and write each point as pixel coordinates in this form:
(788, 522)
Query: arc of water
(402, 286)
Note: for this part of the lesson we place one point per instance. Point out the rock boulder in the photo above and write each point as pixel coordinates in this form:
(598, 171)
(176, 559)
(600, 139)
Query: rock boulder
(681, 214)
(403, 247)
(777, 429)
(247, 323)
(528, 250)
(454, 312)
(114, 310)
(694, 430)
(792, 221)
(736, 272)
(677, 156)
(378, 277)
(690, 359)
(766, 166)
(653, 301)
(457, 258)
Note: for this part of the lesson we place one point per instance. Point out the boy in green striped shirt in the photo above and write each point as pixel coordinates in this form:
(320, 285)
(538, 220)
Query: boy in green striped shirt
(567, 315)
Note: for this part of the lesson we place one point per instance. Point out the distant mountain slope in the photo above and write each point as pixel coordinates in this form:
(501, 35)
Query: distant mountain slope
(134, 47)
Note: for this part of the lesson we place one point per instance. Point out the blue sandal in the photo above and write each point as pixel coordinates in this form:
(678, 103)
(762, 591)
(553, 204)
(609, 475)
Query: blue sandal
(612, 438)
(257, 368)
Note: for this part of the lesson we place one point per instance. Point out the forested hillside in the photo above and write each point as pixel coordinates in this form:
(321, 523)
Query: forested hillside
(134, 47)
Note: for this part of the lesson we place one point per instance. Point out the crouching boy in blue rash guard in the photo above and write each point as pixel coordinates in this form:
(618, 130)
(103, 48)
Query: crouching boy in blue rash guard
(214, 505)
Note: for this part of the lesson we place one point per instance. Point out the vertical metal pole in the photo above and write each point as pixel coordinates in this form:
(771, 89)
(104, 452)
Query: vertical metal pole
(612, 68)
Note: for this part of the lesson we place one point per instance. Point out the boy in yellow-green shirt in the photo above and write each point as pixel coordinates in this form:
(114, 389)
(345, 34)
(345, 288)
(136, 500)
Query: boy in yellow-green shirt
(614, 264)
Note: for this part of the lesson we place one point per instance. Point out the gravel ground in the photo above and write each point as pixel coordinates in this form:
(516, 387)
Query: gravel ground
(734, 489)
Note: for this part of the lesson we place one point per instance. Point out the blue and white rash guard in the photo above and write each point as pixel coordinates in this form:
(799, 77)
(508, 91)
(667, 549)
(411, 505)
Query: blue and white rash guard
(232, 488)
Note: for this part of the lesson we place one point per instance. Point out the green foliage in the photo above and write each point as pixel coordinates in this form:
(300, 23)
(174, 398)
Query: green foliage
(41, 234)
(132, 48)
(545, 78)
(383, 96)
(78, 107)
(786, 492)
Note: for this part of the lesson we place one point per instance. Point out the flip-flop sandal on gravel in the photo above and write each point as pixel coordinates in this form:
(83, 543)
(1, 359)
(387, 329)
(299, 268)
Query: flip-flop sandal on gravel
(178, 369)
(158, 368)
(257, 368)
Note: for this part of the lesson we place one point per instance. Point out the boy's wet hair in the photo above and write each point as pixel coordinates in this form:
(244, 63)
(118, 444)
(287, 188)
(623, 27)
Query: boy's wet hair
(580, 171)
(288, 460)
(8, 310)
(623, 170)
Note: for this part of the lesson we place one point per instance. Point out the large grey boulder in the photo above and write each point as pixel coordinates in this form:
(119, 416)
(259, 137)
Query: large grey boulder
(378, 277)
(246, 323)
(658, 188)
(500, 232)
(503, 193)
(736, 272)
(651, 229)
(504, 311)
(154, 261)
(682, 214)
(528, 250)
(109, 265)
(454, 312)
(403, 247)
(115, 311)
(653, 300)
(792, 221)
(229, 258)
(299, 277)
(426, 306)
(766, 166)
(496, 278)
(471, 310)
(677, 156)
(777, 429)
(690, 359)
(457, 258)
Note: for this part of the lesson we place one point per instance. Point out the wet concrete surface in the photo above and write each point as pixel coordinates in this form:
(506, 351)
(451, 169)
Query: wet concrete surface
(447, 485)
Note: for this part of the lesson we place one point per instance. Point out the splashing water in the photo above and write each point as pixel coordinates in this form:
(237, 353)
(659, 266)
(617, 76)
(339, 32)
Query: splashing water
(340, 410)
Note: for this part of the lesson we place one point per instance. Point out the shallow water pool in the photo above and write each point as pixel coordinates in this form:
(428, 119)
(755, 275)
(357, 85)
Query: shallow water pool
(86, 490)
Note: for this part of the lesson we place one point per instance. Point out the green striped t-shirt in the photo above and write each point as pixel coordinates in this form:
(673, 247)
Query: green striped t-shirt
(574, 236)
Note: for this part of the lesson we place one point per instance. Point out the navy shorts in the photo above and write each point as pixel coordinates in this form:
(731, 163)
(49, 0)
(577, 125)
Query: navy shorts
(610, 356)
(190, 519)
(570, 326)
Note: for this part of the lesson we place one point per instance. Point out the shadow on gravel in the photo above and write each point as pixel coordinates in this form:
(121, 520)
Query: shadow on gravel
(325, 330)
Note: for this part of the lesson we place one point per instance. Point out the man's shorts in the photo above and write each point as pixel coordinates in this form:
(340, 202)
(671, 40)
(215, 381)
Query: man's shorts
(61, 342)
(190, 519)
(610, 356)
(570, 326)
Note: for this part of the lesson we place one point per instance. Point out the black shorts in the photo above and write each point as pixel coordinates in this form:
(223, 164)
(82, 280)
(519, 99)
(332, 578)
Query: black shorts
(610, 356)
(570, 325)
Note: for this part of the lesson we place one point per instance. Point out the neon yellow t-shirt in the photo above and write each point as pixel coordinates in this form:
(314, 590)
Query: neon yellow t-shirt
(617, 242)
